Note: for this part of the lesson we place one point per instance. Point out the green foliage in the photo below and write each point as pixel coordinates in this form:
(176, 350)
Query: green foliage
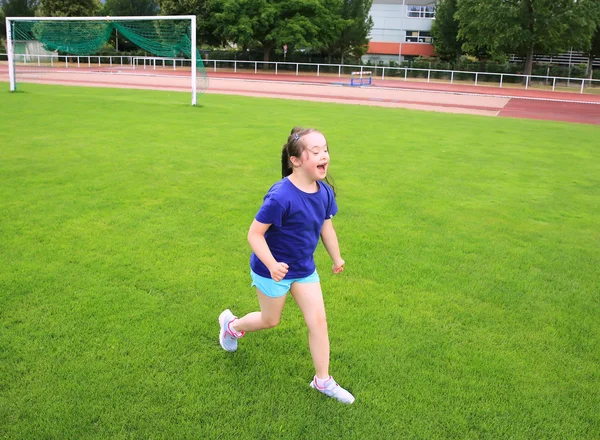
(309, 55)
(594, 48)
(575, 71)
(2, 26)
(444, 31)
(524, 27)
(68, 8)
(202, 9)
(130, 8)
(468, 307)
(116, 8)
(267, 23)
(15, 8)
(19, 8)
(578, 70)
(356, 26)
(184, 7)
(331, 26)
(336, 26)
(583, 23)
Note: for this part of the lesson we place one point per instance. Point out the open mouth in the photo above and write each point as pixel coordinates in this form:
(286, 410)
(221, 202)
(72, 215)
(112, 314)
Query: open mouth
(322, 167)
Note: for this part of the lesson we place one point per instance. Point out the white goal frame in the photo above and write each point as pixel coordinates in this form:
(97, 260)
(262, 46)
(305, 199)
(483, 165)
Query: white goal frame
(10, 51)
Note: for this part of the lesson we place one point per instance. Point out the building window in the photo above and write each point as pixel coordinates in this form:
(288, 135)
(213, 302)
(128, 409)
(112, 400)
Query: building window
(418, 37)
(420, 11)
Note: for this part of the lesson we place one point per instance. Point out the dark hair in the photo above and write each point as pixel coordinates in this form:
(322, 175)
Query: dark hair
(294, 147)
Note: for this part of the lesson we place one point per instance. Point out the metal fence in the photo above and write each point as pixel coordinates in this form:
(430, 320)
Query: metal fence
(339, 71)
(569, 59)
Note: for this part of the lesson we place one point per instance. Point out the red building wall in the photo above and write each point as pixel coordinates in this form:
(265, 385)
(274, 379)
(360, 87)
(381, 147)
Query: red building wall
(408, 49)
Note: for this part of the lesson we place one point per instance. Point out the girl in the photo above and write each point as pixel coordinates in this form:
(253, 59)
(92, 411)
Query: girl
(296, 211)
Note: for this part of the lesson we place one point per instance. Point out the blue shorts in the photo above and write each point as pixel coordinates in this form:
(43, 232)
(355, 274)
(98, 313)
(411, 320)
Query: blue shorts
(275, 289)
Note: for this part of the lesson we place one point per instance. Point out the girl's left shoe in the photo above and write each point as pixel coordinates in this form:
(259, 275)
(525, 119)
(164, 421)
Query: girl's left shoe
(227, 337)
(332, 389)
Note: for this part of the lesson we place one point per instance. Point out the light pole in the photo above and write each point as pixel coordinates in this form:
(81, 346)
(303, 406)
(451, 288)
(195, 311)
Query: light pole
(402, 38)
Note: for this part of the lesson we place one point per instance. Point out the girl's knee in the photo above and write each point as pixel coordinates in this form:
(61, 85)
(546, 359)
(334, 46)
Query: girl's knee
(317, 322)
(270, 321)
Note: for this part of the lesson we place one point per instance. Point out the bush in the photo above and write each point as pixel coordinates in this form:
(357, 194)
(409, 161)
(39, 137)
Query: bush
(578, 70)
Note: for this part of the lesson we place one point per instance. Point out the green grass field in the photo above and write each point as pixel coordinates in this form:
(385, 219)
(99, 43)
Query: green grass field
(469, 307)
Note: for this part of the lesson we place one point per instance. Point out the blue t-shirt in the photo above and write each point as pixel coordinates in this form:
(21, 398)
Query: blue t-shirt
(296, 219)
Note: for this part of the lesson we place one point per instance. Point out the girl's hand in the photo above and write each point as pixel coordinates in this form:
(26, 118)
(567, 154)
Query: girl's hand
(338, 266)
(278, 271)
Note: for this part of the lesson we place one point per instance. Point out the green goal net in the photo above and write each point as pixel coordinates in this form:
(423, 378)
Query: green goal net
(42, 43)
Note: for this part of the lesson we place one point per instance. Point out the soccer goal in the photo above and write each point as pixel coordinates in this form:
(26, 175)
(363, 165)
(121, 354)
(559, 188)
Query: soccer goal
(37, 45)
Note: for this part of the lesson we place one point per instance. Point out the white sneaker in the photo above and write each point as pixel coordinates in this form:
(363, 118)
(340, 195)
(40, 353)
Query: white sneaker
(227, 337)
(332, 389)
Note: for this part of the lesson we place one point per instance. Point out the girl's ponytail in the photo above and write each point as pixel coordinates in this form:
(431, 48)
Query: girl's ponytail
(291, 144)
(286, 166)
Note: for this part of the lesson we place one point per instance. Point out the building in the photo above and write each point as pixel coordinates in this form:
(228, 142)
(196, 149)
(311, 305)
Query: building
(401, 30)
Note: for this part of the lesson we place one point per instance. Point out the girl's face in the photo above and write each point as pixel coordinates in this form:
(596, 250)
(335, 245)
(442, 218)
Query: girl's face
(314, 158)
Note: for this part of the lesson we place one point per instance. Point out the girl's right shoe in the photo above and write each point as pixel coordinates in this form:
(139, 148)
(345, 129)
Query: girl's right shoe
(332, 389)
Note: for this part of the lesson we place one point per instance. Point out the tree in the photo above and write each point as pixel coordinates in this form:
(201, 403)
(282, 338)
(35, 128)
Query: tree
(583, 29)
(267, 23)
(444, 31)
(19, 8)
(15, 8)
(524, 27)
(356, 26)
(330, 23)
(591, 47)
(117, 8)
(343, 27)
(202, 9)
(592, 51)
(120, 8)
(2, 25)
(68, 8)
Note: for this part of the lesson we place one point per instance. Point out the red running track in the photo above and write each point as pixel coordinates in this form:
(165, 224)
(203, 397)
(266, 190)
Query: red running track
(578, 112)
(530, 104)
(421, 85)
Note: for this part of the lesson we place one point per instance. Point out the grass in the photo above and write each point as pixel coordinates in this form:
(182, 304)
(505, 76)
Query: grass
(469, 307)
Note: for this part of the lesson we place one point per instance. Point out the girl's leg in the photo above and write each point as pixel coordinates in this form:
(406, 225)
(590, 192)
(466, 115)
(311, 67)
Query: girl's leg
(268, 317)
(309, 298)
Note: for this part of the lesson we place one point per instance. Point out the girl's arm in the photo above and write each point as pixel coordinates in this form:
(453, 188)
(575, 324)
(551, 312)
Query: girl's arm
(256, 238)
(330, 241)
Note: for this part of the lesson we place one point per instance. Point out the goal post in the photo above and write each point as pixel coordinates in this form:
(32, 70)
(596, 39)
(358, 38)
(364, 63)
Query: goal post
(162, 36)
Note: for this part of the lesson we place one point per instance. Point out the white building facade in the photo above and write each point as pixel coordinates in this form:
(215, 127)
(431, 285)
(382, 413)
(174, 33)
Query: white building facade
(401, 30)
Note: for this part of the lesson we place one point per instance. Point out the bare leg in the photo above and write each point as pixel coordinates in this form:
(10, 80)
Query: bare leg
(268, 317)
(309, 298)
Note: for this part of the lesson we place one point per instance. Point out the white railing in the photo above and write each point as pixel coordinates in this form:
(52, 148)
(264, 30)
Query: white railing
(316, 69)
(478, 78)
(152, 62)
(68, 61)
